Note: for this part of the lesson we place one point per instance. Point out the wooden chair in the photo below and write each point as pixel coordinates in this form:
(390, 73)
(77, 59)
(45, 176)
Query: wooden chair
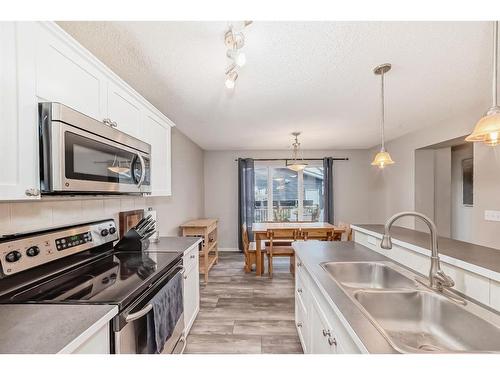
(274, 237)
(249, 250)
(347, 235)
(316, 234)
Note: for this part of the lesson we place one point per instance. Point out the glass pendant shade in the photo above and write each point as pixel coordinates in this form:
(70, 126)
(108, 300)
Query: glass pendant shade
(487, 129)
(297, 167)
(382, 159)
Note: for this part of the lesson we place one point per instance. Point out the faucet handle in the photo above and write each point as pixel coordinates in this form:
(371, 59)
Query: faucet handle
(443, 280)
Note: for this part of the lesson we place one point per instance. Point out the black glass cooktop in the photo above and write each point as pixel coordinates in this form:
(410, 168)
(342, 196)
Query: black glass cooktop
(113, 279)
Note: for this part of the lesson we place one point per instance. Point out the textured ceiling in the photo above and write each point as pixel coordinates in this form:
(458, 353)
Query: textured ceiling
(314, 77)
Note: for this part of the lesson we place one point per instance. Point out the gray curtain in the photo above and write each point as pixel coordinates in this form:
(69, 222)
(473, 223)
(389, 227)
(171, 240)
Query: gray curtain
(328, 189)
(246, 197)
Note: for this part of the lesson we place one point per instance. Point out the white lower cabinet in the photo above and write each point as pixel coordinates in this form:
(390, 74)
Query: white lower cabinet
(191, 287)
(98, 343)
(320, 329)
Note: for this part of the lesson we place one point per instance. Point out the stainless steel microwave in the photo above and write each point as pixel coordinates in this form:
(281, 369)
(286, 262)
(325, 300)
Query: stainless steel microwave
(80, 155)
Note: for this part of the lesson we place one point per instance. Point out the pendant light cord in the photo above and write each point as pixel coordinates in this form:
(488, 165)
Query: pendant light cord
(383, 110)
(495, 53)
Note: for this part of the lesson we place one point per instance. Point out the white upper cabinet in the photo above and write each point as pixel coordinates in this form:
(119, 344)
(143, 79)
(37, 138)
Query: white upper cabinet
(40, 62)
(19, 178)
(64, 75)
(124, 110)
(157, 133)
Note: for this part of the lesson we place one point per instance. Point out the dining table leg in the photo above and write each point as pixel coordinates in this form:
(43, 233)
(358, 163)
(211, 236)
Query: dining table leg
(258, 254)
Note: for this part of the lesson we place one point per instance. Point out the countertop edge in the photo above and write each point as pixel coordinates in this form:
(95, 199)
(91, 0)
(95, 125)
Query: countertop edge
(485, 272)
(85, 335)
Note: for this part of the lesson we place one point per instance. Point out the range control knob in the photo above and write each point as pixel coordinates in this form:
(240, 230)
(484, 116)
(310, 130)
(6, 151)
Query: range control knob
(13, 256)
(112, 230)
(104, 232)
(33, 251)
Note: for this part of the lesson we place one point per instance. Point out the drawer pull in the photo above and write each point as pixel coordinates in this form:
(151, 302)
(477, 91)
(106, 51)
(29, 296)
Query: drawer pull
(326, 332)
(300, 290)
(332, 341)
(192, 256)
(299, 324)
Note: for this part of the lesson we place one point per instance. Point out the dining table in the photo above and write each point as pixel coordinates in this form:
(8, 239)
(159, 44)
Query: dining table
(260, 230)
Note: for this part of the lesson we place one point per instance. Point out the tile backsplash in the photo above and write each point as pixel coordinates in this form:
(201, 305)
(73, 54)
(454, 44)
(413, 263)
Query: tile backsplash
(28, 216)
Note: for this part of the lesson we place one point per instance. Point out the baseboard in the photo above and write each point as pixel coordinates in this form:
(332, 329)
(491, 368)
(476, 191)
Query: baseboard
(229, 249)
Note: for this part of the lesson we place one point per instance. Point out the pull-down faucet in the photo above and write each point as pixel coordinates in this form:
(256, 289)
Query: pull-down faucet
(438, 280)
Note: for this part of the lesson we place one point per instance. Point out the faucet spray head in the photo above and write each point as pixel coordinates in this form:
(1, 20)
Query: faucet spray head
(386, 242)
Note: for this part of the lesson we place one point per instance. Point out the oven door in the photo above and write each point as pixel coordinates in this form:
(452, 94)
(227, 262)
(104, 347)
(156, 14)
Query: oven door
(80, 161)
(130, 326)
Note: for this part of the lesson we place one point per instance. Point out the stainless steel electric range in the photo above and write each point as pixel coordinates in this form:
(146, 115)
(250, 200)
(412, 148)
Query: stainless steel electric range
(78, 265)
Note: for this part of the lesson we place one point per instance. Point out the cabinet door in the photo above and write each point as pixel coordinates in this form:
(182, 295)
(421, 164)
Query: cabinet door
(125, 110)
(18, 128)
(191, 297)
(322, 339)
(65, 74)
(158, 135)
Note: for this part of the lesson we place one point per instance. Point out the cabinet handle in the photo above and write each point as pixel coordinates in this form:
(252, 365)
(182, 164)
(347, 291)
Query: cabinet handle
(185, 277)
(106, 121)
(299, 264)
(299, 324)
(193, 256)
(113, 124)
(32, 192)
(299, 290)
(326, 332)
(332, 341)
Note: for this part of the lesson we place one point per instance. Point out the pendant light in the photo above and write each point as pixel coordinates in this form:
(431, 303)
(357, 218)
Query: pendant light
(297, 162)
(487, 129)
(382, 158)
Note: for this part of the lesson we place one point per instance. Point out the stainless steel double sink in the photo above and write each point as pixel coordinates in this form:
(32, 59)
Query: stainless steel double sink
(413, 318)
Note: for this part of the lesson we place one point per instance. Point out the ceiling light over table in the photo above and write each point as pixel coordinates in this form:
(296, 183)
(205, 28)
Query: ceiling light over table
(298, 163)
(382, 158)
(487, 129)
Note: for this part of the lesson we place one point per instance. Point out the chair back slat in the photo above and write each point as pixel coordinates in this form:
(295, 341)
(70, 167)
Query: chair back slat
(347, 235)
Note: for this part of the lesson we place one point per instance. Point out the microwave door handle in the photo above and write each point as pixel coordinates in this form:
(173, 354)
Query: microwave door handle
(143, 168)
(139, 314)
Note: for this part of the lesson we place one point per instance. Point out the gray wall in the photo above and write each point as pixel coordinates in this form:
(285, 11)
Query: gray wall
(352, 194)
(461, 216)
(186, 202)
(395, 187)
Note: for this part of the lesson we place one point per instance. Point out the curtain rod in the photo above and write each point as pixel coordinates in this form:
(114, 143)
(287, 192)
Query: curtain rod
(282, 159)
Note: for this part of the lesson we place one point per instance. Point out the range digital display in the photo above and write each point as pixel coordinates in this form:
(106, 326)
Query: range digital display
(74, 240)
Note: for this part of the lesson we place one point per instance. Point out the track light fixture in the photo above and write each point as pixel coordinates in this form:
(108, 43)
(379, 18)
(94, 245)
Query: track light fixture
(234, 41)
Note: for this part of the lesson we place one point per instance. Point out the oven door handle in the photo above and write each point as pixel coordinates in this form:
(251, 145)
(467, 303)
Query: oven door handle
(143, 169)
(139, 314)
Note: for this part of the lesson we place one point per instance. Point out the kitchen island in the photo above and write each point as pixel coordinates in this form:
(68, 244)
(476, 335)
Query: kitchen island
(330, 317)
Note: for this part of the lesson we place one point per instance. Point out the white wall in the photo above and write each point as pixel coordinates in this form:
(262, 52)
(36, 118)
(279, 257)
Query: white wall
(185, 203)
(352, 195)
(461, 216)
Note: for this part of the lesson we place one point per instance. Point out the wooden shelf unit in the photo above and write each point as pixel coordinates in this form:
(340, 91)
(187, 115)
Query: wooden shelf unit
(207, 230)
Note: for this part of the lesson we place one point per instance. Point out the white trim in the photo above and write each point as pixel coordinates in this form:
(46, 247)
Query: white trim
(490, 274)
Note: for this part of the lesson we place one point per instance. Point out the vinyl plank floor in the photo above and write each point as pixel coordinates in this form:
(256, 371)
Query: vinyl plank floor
(241, 313)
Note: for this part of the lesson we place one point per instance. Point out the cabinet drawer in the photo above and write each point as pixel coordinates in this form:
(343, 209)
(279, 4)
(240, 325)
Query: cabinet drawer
(345, 342)
(190, 258)
(302, 324)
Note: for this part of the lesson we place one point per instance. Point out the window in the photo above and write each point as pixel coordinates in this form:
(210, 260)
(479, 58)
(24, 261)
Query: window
(284, 195)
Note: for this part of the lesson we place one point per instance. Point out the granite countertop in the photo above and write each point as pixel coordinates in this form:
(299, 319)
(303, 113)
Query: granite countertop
(481, 256)
(50, 329)
(173, 244)
(312, 254)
